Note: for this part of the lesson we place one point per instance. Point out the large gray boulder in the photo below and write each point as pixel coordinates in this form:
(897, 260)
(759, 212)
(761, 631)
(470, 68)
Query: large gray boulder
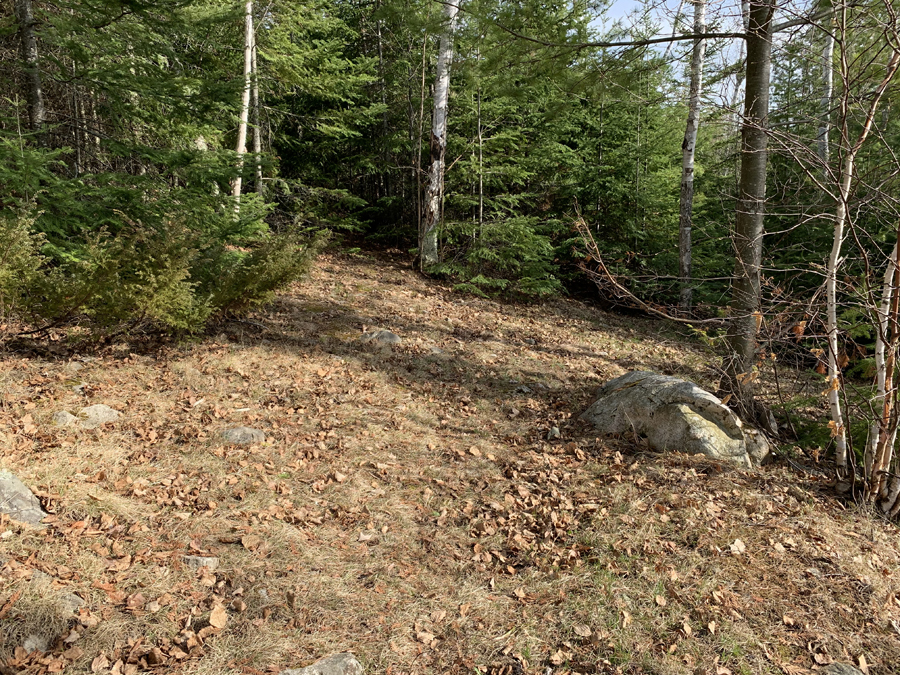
(674, 415)
(337, 664)
(18, 501)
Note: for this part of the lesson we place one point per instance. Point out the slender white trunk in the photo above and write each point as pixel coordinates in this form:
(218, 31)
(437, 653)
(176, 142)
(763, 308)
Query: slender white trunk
(24, 12)
(688, 147)
(428, 236)
(822, 148)
(245, 102)
(257, 130)
(882, 432)
(845, 181)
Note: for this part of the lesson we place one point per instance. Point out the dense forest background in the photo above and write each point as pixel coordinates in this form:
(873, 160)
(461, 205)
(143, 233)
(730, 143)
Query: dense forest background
(163, 163)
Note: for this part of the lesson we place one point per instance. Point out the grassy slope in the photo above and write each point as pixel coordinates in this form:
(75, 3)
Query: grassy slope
(405, 505)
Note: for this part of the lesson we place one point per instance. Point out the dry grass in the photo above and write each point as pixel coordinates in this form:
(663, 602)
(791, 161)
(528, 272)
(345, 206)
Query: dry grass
(406, 506)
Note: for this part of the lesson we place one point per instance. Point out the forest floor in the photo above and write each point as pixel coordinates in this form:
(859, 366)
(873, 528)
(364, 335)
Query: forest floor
(407, 506)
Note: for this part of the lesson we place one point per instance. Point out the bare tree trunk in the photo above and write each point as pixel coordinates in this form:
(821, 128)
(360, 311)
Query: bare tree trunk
(35, 95)
(882, 455)
(245, 102)
(257, 130)
(480, 166)
(685, 220)
(883, 432)
(428, 234)
(822, 148)
(749, 221)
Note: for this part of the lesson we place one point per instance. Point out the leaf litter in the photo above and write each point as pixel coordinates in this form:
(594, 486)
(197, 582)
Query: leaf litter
(407, 506)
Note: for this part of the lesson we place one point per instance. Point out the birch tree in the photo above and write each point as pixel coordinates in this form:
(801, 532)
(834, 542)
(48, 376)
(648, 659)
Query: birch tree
(687, 166)
(257, 130)
(428, 231)
(29, 48)
(881, 456)
(245, 102)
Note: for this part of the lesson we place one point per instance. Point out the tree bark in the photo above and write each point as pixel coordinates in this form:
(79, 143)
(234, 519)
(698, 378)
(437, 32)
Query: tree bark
(245, 102)
(685, 221)
(428, 234)
(257, 130)
(822, 149)
(37, 114)
(749, 221)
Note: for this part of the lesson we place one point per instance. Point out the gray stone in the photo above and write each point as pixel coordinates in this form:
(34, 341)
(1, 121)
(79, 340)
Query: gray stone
(97, 415)
(18, 501)
(674, 415)
(71, 603)
(78, 389)
(553, 434)
(841, 669)
(338, 664)
(243, 436)
(64, 418)
(197, 561)
(36, 643)
(380, 337)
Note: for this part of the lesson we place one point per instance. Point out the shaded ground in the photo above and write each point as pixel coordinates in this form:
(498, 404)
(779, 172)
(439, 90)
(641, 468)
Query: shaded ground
(406, 505)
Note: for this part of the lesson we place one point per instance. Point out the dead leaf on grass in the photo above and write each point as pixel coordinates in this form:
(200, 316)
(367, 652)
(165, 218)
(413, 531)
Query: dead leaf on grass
(582, 630)
(218, 618)
(738, 547)
(99, 663)
(251, 542)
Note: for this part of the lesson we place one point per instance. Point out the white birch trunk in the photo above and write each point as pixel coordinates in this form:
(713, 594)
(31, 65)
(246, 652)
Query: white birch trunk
(834, 260)
(822, 147)
(881, 338)
(257, 131)
(688, 147)
(434, 192)
(245, 102)
(24, 12)
(881, 433)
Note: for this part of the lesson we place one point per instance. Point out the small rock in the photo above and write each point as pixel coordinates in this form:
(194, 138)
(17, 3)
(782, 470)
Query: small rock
(243, 436)
(437, 351)
(553, 434)
(18, 501)
(74, 366)
(338, 664)
(97, 415)
(529, 341)
(36, 643)
(380, 337)
(197, 561)
(71, 603)
(524, 389)
(841, 669)
(78, 389)
(64, 418)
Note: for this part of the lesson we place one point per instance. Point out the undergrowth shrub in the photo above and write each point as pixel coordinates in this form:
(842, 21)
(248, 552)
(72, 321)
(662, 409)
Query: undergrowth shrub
(510, 255)
(20, 260)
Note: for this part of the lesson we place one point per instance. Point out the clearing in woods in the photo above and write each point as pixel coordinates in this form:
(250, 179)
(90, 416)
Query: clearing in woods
(407, 506)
